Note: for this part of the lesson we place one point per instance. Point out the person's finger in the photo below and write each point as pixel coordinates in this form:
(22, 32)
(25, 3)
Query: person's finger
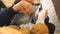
(25, 5)
(31, 11)
(28, 7)
(23, 10)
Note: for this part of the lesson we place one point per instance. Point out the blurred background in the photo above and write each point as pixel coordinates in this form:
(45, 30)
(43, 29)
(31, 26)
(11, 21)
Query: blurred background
(53, 6)
(57, 8)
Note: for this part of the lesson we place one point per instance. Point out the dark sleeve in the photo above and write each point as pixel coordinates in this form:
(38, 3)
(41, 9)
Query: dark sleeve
(6, 15)
(2, 4)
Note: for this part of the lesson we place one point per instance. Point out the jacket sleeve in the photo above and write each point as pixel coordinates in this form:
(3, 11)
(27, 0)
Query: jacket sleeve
(6, 15)
(2, 4)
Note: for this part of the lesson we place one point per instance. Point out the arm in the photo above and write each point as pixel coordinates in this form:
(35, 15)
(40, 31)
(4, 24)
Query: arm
(2, 4)
(6, 15)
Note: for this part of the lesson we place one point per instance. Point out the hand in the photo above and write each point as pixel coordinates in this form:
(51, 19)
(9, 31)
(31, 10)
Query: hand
(24, 7)
(30, 1)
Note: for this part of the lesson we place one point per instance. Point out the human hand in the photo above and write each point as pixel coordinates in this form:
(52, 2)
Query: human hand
(24, 7)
